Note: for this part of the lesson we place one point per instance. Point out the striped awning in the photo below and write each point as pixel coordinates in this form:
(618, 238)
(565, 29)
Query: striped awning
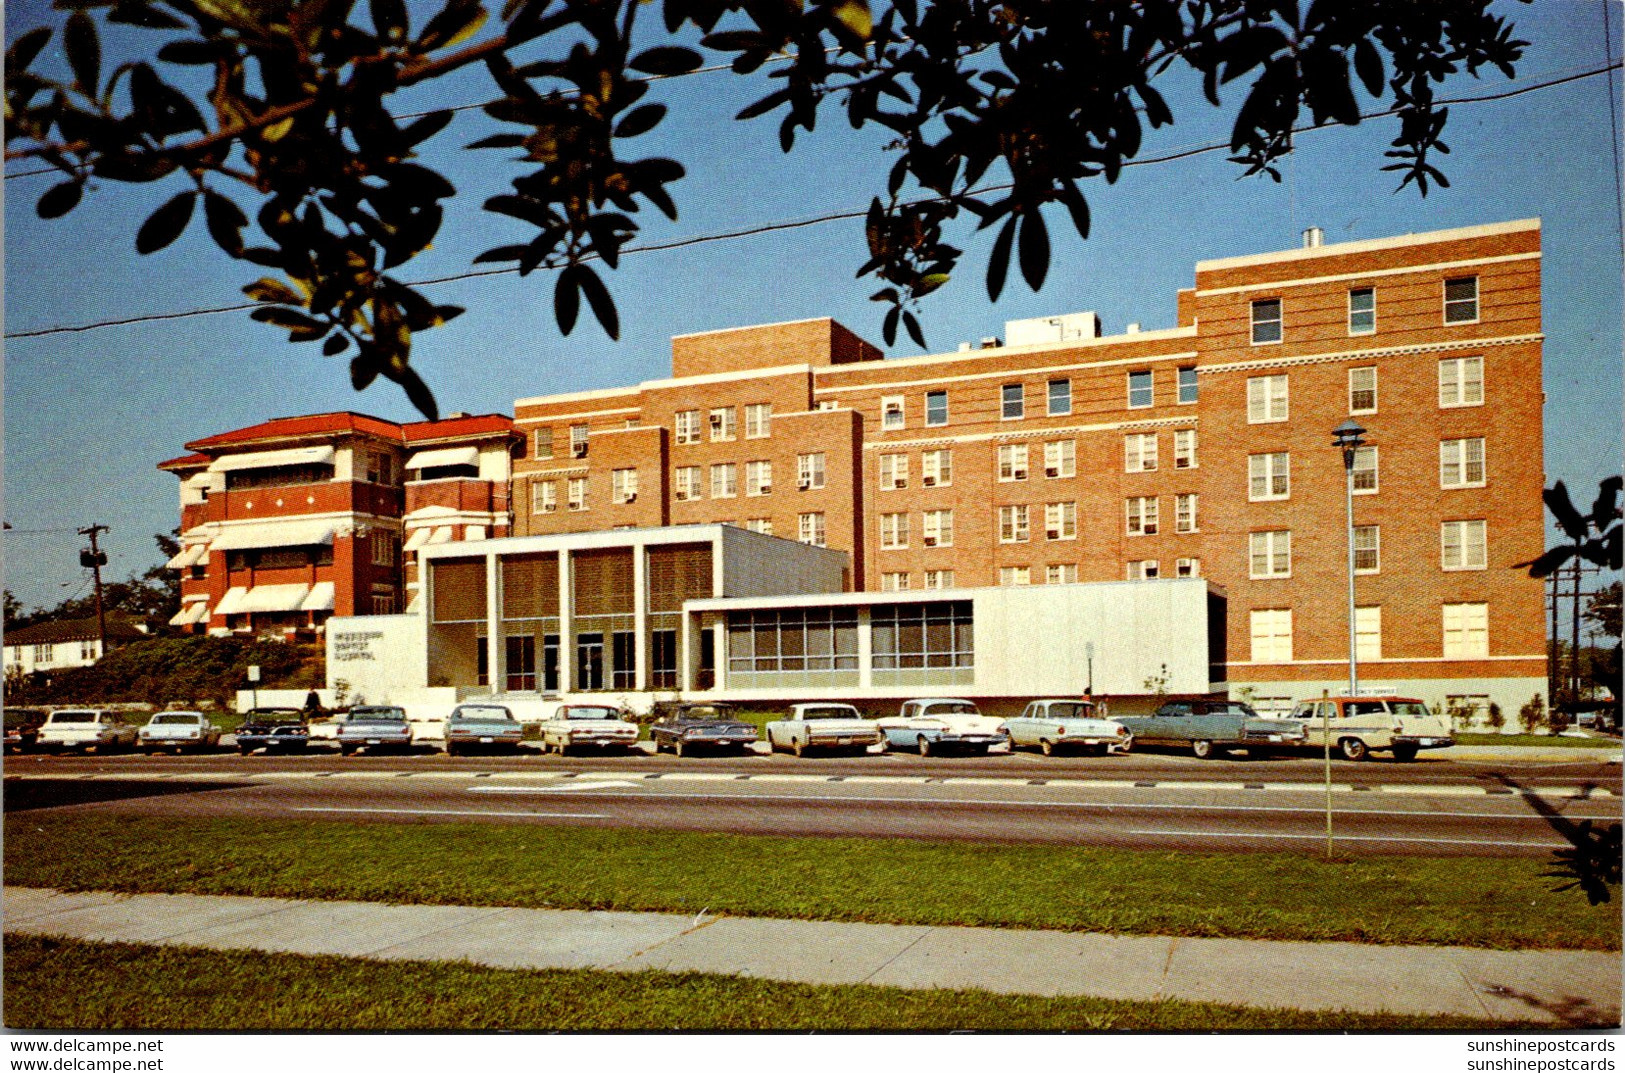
(320, 597)
(262, 598)
(445, 456)
(293, 456)
(190, 555)
(273, 534)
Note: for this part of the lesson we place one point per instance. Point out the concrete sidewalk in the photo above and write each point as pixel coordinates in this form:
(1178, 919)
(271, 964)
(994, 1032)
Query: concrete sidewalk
(1557, 986)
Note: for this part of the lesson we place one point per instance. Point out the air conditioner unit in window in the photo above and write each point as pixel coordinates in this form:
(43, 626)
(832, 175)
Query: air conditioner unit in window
(578, 450)
(930, 541)
(928, 482)
(900, 482)
(1151, 530)
(632, 497)
(549, 508)
(1052, 534)
(716, 420)
(766, 489)
(1052, 471)
(804, 484)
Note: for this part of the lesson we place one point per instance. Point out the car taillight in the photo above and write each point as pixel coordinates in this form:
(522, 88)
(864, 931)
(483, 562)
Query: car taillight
(1060, 731)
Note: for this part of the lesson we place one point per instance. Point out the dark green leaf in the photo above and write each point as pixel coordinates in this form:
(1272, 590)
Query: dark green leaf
(1562, 508)
(640, 120)
(226, 222)
(1605, 509)
(457, 22)
(190, 52)
(291, 319)
(1548, 563)
(1368, 65)
(426, 127)
(272, 290)
(765, 105)
(1034, 249)
(134, 167)
(913, 327)
(166, 225)
(336, 343)
(888, 327)
(566, 299)
(666, 60)
(498, 141)
(24, 49)
(363, 369)
(84, 51)
(603, 306)
(998, 261)
(59, 200)
(418, 392)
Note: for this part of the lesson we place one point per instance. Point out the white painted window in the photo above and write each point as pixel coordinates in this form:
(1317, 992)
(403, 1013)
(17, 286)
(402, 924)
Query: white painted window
(758, 418)
(1367, 549)
(937, 530)
(724, 480)
(810, 471)
(1140, 389)
(1142, 515)
(1013, 525)
(542, 442)
(1144, 570)
(1266, 313)
(894, 530)
(1013, 462)
(1461, 300)
(810, 528)
(1061, 574)
(578, 441)
(758, 478)
(1061, 458)
(1189, 389)
(891, 411)
(1269, 476)
(1060, 521)
(1461, 463)
(1461, 382)
(1012, 402)
(687, 483)
(937, 468)
(623, 485)
(1462, 545)
(893, 581)
(1363, 390)
(1365, 470)
(1060, 398)
(1015, 575)
(1187, 568)
(1185, 512)
(1362, 310)
(577, 493)
(687, 426)
(760, 525)
(936, 408)
(1272, 635)
(723, 423)
(939, 579)
(1466, 631)
(1368, 633)
(1266, 399)
(893, 472)
(544, 497)
(1139, 452)
(1270, 554)
(1185, 449)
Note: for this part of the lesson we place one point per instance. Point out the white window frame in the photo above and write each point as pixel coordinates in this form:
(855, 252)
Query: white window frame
(578, 441)
(724, 480)
(1139, 452)
(894, 530)
(1262, 323)
(1061, 521)
(724, 424)
(1274, 546)
(1272, 469)
(1179, 386)
(810, 528)
(1353, 312)
(1012, 462)
(939, 579)
(894, 581)
(1185, 512)
(687, 484)
(1150, 389)
(758, 420)
(686, 426)
(1454, 382)
(1464, 545)
(1188, 567)
(937, 528)
(1465, 630)
(1010, 576)
(577, 493)
(937, 468)
(1060, 459)
(544, 497)
(760, 525)
(1268, 399)
(1354, 391)
(1270, 630)
(1368, 632)
(1144, 570)
(1366, 463)
(623, 485)
(1444, 294)
(1373, 547)
(1458, 456)
(1065, 397)
(1061, 574)
(1012, 409)
(933, 420)
(758, 478)
(1015, 524)
(1141, 517)
(542, 442)
(1185, 449)
(893, 472)
(810, 471)
(892, 414)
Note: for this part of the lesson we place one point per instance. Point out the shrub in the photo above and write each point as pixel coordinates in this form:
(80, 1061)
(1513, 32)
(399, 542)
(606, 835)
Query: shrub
(1533, 714)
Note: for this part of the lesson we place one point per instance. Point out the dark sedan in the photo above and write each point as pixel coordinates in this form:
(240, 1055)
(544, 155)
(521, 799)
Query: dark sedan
(686, 728)
(22, 728)
(274, 730)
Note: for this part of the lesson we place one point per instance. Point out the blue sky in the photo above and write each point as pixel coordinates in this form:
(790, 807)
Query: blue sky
(89, 414)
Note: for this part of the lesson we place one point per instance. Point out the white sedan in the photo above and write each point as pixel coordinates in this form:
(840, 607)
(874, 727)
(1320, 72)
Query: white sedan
(1052, 725)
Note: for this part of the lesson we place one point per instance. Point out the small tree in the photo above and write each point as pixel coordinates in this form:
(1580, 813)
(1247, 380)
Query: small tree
(1533, 714)
(1157, 684)
(1496, 718)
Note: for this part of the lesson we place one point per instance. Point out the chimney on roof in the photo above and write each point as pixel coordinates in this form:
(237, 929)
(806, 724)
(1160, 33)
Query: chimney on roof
(1313, 237)
(455, 416)
(989, 342)
(1133, 328)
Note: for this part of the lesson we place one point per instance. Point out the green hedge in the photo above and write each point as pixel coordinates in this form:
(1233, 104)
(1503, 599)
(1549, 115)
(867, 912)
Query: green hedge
(168, 670)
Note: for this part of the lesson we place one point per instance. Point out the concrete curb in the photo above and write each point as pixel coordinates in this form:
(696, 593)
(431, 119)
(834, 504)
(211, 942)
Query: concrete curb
(1559, 987)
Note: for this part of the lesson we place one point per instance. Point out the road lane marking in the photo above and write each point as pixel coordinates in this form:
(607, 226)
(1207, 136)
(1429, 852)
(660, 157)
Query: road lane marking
(573, 788)
(1360, 838)
(452, 812)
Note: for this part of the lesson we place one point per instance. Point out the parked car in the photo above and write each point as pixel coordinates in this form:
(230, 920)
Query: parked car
(1359, 726)
(685, 727)
(274, 730)
(22, 729)
(1214, 727)
(822, 726)
(576, 726)
(85, 729)
(177, 730)
(1052, 725)
(489, 727)
(374, 726)
(938, 724)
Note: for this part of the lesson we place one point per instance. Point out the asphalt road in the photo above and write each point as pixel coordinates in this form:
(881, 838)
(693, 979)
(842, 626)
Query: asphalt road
(1436, 806)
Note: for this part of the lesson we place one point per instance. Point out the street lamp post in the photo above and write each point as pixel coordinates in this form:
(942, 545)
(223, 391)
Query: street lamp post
(1350, 437)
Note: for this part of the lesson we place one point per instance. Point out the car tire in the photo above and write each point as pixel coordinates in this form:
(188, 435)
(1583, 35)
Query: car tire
(799, 748)
(1203, 749)
(885, 744)
(925, 745)
(244, 749)
(347, 750)
(1046, 746)
(677, 747)
(1127, 746)
(1352, 749)
(1404, 753)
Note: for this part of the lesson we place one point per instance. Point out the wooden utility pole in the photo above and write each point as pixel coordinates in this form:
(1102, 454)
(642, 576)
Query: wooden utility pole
(95, 558)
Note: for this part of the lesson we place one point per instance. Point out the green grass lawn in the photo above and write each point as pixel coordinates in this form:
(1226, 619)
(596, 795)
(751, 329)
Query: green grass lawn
(1549, 740)
(1505, 903)
(73, 985)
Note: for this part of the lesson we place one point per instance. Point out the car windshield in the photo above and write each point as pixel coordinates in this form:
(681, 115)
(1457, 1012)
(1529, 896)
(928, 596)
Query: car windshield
(177, 717)
(592, 713)
(1409, 707)
(839, 711)
(73, 717)
(706, 712)
(1071, 710)
(1228, 709)
(1365, 707)
(494, 711)
(380, 714)
(959, 707)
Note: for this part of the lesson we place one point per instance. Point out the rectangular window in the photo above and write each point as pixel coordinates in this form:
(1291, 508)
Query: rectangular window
(544, 497)
(1185, 512)
(1012, 402)
(923, 635)
(1462, 545)
(1187, 568)
(1013, 525)
(724, 480)
(758, 416)
(1466, 631)
(891, 411)
(1461, 300)
(893, 472)
(939, 579)
(578, 493)
(1461, 382)
(687, 426)
(1266, 399)
(722, 423)
(578, 441)
(1363, 390)
(1061, 574)
(1270, 554)
(543, 442)
(938, 529)
(1266, 321)
(1013, 462)
(937, 468)
(1365, 470)
(1140, 393)
(1139, 452)
(1368, 633)
(1142, 515)
(687, 483)
(1367, 549)
(893, 582)
(758, 478)
(1185, 448)
(1272, 636)
(1144, 570)
(810, 529)
(760, 525)
(1269, 476)
(1060, 398)
(1015, 575)
(383, 549)
(810, 471)
(1060, 521)
(1060, 458)
(894, 530)
(1362, 310)
(1189, 392)
(623, 485)
(936, 407)
(1461, 463)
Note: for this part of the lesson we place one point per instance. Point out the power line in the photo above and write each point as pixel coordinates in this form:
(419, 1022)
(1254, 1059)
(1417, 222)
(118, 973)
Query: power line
(1613, 118)
(789, 225)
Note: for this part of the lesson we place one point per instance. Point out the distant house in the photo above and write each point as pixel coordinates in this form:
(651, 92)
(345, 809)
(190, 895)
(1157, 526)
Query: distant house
(65, 643)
